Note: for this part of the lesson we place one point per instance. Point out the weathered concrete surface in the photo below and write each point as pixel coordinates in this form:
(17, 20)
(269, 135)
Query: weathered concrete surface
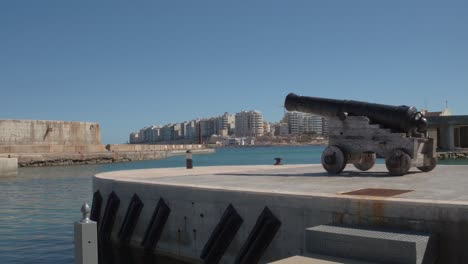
(301, 196)
(8, 167)
(373, 245)
(52, 148)
(45, 132)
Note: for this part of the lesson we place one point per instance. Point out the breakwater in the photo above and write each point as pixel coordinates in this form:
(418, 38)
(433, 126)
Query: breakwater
(53, 156)
(40, 143)
(452, 155)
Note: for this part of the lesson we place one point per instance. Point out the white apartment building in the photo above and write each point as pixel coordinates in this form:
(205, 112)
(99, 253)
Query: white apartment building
(134, 139)
(281, 129)
(249, 124)
(313, 123)
(190, 128)
(223, 125)
(300, 123)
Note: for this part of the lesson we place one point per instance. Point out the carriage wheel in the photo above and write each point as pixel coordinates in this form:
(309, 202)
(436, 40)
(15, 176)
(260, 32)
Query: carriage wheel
(366, 161)
(398, 163)
(431, 166)
(334, 159)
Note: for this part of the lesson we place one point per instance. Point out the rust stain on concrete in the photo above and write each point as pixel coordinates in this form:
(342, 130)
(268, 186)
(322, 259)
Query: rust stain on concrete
(377, 192)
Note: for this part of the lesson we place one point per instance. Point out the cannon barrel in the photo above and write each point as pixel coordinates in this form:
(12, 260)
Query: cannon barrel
(401, 118)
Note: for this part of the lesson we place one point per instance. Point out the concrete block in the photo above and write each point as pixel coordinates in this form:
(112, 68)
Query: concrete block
(370, 245)
(8, 166)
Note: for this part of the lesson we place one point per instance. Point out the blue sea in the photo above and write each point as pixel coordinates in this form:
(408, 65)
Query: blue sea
(39, 206)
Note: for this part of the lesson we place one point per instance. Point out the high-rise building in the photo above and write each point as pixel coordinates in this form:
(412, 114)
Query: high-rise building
(224, 125)
(295, 122)
(325, 126)
(167, 132)
(155, 134)
(281, 129)
(249, 124)
(300, 123)
(189, 130)
(313, 124)
(134, 139)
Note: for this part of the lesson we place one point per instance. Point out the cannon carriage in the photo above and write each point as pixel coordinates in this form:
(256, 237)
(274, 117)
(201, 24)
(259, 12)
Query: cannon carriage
(360, 132)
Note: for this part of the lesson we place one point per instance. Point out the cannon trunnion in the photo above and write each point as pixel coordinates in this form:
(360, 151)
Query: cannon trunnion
(360, 132)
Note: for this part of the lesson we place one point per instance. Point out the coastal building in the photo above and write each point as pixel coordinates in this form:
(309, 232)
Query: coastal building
(189, 130)
(134, 139)
(167, 132)
(267, 128)
(300, 123)
(155, 134)
(281, 129)
(249, 123)
(450, 132)
(178, 131)
(325, 126)
(313, 124)
(224, 125)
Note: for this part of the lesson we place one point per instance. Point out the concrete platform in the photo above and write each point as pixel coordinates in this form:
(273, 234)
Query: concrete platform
(446, 184)
(300, 196)
(8, 167)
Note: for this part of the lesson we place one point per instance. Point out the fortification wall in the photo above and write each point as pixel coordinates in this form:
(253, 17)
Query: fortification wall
(44, 132)
(51, 148)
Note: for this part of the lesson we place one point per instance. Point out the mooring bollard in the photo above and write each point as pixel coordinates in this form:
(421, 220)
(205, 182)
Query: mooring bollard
(278, 161)
(189, 159)
(86, 250)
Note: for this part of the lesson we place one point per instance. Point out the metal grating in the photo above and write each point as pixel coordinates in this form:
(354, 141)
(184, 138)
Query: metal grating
(377, 192)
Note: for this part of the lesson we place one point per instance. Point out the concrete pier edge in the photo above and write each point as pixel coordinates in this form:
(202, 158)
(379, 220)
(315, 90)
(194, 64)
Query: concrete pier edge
(197, 198)
(8, 167)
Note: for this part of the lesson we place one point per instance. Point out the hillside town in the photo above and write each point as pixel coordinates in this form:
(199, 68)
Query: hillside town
(242, 128)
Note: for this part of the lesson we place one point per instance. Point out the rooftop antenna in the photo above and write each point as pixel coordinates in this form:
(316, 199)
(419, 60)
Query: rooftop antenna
(446, 104)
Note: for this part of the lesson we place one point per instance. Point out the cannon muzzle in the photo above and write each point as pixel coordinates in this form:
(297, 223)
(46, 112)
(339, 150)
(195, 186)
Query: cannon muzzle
(400, 118)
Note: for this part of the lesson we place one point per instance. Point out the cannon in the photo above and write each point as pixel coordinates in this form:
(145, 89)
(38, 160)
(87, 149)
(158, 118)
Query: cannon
(359, 132)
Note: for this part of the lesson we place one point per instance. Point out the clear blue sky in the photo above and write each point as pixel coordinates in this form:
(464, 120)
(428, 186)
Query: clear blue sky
(129, 64)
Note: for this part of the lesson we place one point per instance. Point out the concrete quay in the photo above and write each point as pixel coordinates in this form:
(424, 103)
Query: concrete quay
(8, 167)
(116, 153)
(268, 209)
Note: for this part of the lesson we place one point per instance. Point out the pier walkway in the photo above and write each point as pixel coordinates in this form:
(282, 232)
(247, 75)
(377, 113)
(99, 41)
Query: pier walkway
(242, 206)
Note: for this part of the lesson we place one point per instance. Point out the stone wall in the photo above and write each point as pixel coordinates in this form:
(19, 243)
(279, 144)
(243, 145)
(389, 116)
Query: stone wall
(42, 132)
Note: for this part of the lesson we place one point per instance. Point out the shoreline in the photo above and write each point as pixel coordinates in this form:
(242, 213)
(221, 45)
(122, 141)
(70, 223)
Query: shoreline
(461, 154)
(91, 158)
(72, 159)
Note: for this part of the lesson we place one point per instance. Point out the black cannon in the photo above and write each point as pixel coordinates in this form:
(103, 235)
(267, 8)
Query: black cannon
(361, 131)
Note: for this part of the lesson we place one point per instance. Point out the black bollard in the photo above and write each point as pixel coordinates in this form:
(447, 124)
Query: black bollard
(189, 159)
(278, 161)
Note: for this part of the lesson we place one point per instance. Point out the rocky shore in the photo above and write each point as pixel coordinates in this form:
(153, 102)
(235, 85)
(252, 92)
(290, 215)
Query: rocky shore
(452, 155)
